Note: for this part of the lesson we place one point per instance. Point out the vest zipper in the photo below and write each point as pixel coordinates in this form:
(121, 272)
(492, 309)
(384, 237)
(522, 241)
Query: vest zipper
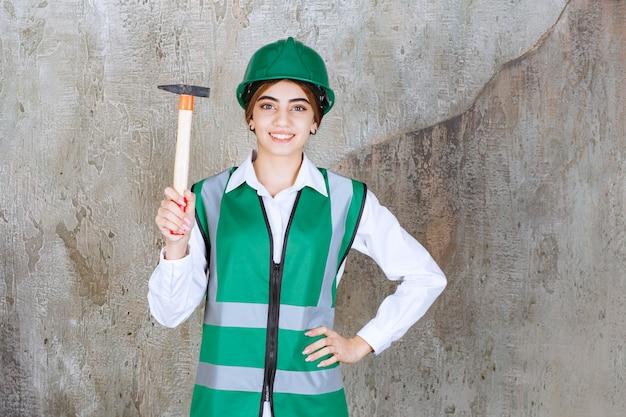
(273, 310)
(271, 349)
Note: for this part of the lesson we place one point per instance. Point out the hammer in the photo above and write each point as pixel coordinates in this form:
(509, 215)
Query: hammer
(185, 111)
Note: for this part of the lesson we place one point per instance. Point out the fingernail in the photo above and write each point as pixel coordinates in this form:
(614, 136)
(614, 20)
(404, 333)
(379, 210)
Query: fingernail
(181, 202)
(308, 359)
(305, 352)
(187, 221)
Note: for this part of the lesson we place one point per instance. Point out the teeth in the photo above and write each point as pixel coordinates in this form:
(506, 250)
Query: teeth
(281, 137)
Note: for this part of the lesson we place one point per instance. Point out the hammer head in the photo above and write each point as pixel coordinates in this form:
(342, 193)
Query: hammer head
(185, 89)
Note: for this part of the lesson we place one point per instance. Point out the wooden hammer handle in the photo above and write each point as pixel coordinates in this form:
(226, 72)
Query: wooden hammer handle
(183, 141)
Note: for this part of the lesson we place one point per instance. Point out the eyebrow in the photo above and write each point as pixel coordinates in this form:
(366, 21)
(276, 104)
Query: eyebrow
(293, 100)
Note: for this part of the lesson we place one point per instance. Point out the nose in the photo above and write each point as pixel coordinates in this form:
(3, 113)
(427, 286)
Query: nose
(281, 117)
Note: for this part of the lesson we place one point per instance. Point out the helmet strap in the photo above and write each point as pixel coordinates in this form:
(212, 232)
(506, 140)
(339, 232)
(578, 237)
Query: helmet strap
(319, 93)
(250, 89)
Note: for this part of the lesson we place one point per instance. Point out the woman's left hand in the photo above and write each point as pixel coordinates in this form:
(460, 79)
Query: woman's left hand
(343, 350)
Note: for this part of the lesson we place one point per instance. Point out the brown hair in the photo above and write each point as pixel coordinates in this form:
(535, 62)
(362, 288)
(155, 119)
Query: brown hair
(259, 89)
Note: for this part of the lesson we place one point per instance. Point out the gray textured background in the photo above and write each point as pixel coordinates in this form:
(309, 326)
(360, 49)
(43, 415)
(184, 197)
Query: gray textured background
(494, 130)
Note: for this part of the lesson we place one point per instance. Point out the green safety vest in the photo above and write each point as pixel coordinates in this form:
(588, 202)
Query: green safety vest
(257, 311)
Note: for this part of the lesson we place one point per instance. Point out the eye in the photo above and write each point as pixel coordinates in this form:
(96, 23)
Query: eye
(266, 106)
(300, 107)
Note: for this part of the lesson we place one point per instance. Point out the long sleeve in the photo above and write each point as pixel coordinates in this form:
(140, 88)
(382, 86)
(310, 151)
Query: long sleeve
(177, 287)
(402, 258)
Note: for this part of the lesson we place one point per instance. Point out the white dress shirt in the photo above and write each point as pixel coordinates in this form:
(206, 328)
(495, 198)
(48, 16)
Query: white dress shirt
(177, 287)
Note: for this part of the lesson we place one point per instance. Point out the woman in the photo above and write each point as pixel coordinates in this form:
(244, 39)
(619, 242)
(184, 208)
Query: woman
(272, 235)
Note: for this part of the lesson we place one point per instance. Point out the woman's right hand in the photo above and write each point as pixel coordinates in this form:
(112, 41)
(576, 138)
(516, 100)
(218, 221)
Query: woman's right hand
(175, 219)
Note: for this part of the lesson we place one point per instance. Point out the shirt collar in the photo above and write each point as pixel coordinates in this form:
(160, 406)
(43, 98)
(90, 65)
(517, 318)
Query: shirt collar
(308, 176)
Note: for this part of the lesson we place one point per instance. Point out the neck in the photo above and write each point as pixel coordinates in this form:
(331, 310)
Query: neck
(277, 173)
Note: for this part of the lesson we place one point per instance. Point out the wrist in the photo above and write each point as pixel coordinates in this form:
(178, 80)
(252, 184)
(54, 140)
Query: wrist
(363, 348)
(176, 250)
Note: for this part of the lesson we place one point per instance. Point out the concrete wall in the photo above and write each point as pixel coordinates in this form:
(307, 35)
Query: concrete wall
(494, 130)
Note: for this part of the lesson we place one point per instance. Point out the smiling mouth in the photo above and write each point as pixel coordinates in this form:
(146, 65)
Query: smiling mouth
(280, 136)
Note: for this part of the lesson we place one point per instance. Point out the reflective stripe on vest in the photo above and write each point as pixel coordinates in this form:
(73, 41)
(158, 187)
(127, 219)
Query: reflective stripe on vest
(233, 378)
(233, 348)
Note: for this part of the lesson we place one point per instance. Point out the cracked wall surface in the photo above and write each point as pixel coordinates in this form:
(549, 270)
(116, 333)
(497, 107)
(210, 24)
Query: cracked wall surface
(494, 130)
(522, 198)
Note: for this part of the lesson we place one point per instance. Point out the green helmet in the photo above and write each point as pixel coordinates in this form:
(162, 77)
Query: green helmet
(287, 59)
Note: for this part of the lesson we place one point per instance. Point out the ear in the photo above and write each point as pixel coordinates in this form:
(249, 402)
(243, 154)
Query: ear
(251, 125)
(314, 128)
